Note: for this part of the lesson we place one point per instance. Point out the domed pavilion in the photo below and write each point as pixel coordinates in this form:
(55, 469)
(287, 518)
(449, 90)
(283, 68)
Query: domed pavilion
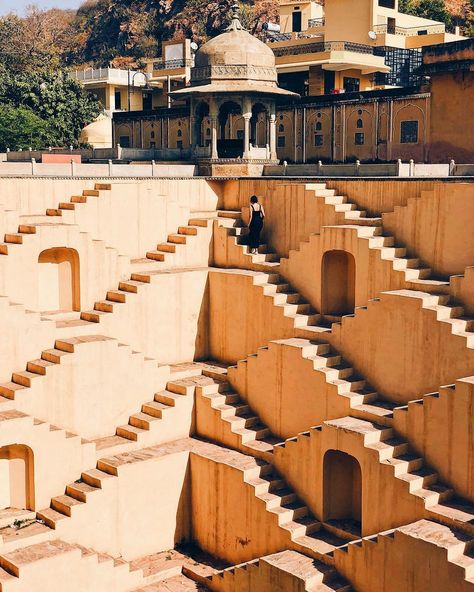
(232, 95)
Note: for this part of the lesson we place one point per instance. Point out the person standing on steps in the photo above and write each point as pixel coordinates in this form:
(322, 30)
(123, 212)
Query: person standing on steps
(257, 215)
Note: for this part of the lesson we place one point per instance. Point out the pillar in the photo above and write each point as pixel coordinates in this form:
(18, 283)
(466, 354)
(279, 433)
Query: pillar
(247, 117)
(273, 152)
(214, 123)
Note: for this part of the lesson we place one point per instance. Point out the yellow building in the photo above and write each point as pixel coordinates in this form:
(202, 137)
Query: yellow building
(345, 46)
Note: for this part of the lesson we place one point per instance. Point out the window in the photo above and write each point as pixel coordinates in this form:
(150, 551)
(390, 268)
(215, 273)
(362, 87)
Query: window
(281, 141)
(281, 128)
(179, 144)
(124, 141)
(318, 140)
(180, 133)
(409, 132)
(208, 131)
(240, 134)
(391, 25)
(152, 144)
(152, 135)
(359, 123)
(359, 139)
(118, 99)
(351, 84)
(318, 126)
(387, 3)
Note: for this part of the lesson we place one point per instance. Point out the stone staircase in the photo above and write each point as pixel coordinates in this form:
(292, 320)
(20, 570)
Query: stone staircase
(139, 279)
(364, 401)
(243, 429)
(75, 199)
(33, 565)
(437, 500)
(176, 241)
(346, 209)
(444, 557)
(287, 567)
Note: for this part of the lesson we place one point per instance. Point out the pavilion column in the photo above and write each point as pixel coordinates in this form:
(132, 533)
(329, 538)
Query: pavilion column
(273, 151)
(247, 117)
(214, 122)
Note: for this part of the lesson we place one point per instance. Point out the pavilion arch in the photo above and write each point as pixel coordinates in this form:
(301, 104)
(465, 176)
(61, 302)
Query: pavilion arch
(201, 118)
(59, 279)
(338, 283)
(17, 482)
(412, 112)
(228, 145)
(259, 125)
(342, 489)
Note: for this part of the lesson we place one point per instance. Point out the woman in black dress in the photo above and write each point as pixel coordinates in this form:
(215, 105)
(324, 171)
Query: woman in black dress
(257, 214)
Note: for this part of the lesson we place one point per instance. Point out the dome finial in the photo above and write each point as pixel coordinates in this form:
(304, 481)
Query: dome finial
(235, 24)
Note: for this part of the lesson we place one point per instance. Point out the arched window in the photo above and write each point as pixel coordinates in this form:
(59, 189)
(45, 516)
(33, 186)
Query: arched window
(180, 133)
(281, 128)
(359, 123)
(319, 126)
(152, 135)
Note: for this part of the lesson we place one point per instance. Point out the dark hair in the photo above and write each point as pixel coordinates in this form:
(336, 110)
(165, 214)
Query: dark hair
(254, 199)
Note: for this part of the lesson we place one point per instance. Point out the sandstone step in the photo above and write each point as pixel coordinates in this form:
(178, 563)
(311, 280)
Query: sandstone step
(155, 255)
(179, 239)
(155, 409)
(130, 432)
(80, 490)
(64, 504)
(116, 296)
(188, 230)
(24, 378)
(39, 366)
(166, 247)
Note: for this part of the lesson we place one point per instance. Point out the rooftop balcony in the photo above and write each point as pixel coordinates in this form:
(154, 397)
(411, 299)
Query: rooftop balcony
(177, 67)
(331, 55)
(92, 76)
(410, 31)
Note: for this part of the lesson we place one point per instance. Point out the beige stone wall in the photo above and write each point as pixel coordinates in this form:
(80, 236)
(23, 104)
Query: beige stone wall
(398, 344)
(430, 227)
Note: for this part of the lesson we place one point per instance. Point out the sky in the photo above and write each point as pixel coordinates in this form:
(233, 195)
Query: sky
(19, 6)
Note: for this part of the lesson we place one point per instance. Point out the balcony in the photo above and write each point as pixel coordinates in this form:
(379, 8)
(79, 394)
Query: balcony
(410, 31)
(316, 22)
(110, 76)
(323, 47)
(173, 64)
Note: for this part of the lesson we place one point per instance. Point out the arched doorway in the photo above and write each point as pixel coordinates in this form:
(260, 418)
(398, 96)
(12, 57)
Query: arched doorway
(259, 126)
(59, 280)
(342, 492)
(338, 283)
(228, 145)
(17, 477)
(202, 130)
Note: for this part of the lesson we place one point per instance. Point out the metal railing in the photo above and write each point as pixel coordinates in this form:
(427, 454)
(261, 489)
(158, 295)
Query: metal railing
(316, 22)
(109, 75)
(172, 64)
(326, 46)
(410, 31)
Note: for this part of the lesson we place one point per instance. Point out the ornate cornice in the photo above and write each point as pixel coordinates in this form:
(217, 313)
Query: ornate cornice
(233, 72)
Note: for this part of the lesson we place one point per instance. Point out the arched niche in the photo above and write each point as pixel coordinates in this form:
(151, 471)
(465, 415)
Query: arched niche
(59, 279)
(338, 283)
(342, 490)
(17, 477)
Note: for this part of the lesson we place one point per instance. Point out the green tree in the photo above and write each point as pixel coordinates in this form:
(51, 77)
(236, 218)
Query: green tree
(21, 128)
(55, 98)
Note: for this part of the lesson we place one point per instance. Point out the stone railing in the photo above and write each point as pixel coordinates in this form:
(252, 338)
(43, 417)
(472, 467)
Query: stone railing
(322, 47)
(316, 22)
(172, 64)
(410, 31)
